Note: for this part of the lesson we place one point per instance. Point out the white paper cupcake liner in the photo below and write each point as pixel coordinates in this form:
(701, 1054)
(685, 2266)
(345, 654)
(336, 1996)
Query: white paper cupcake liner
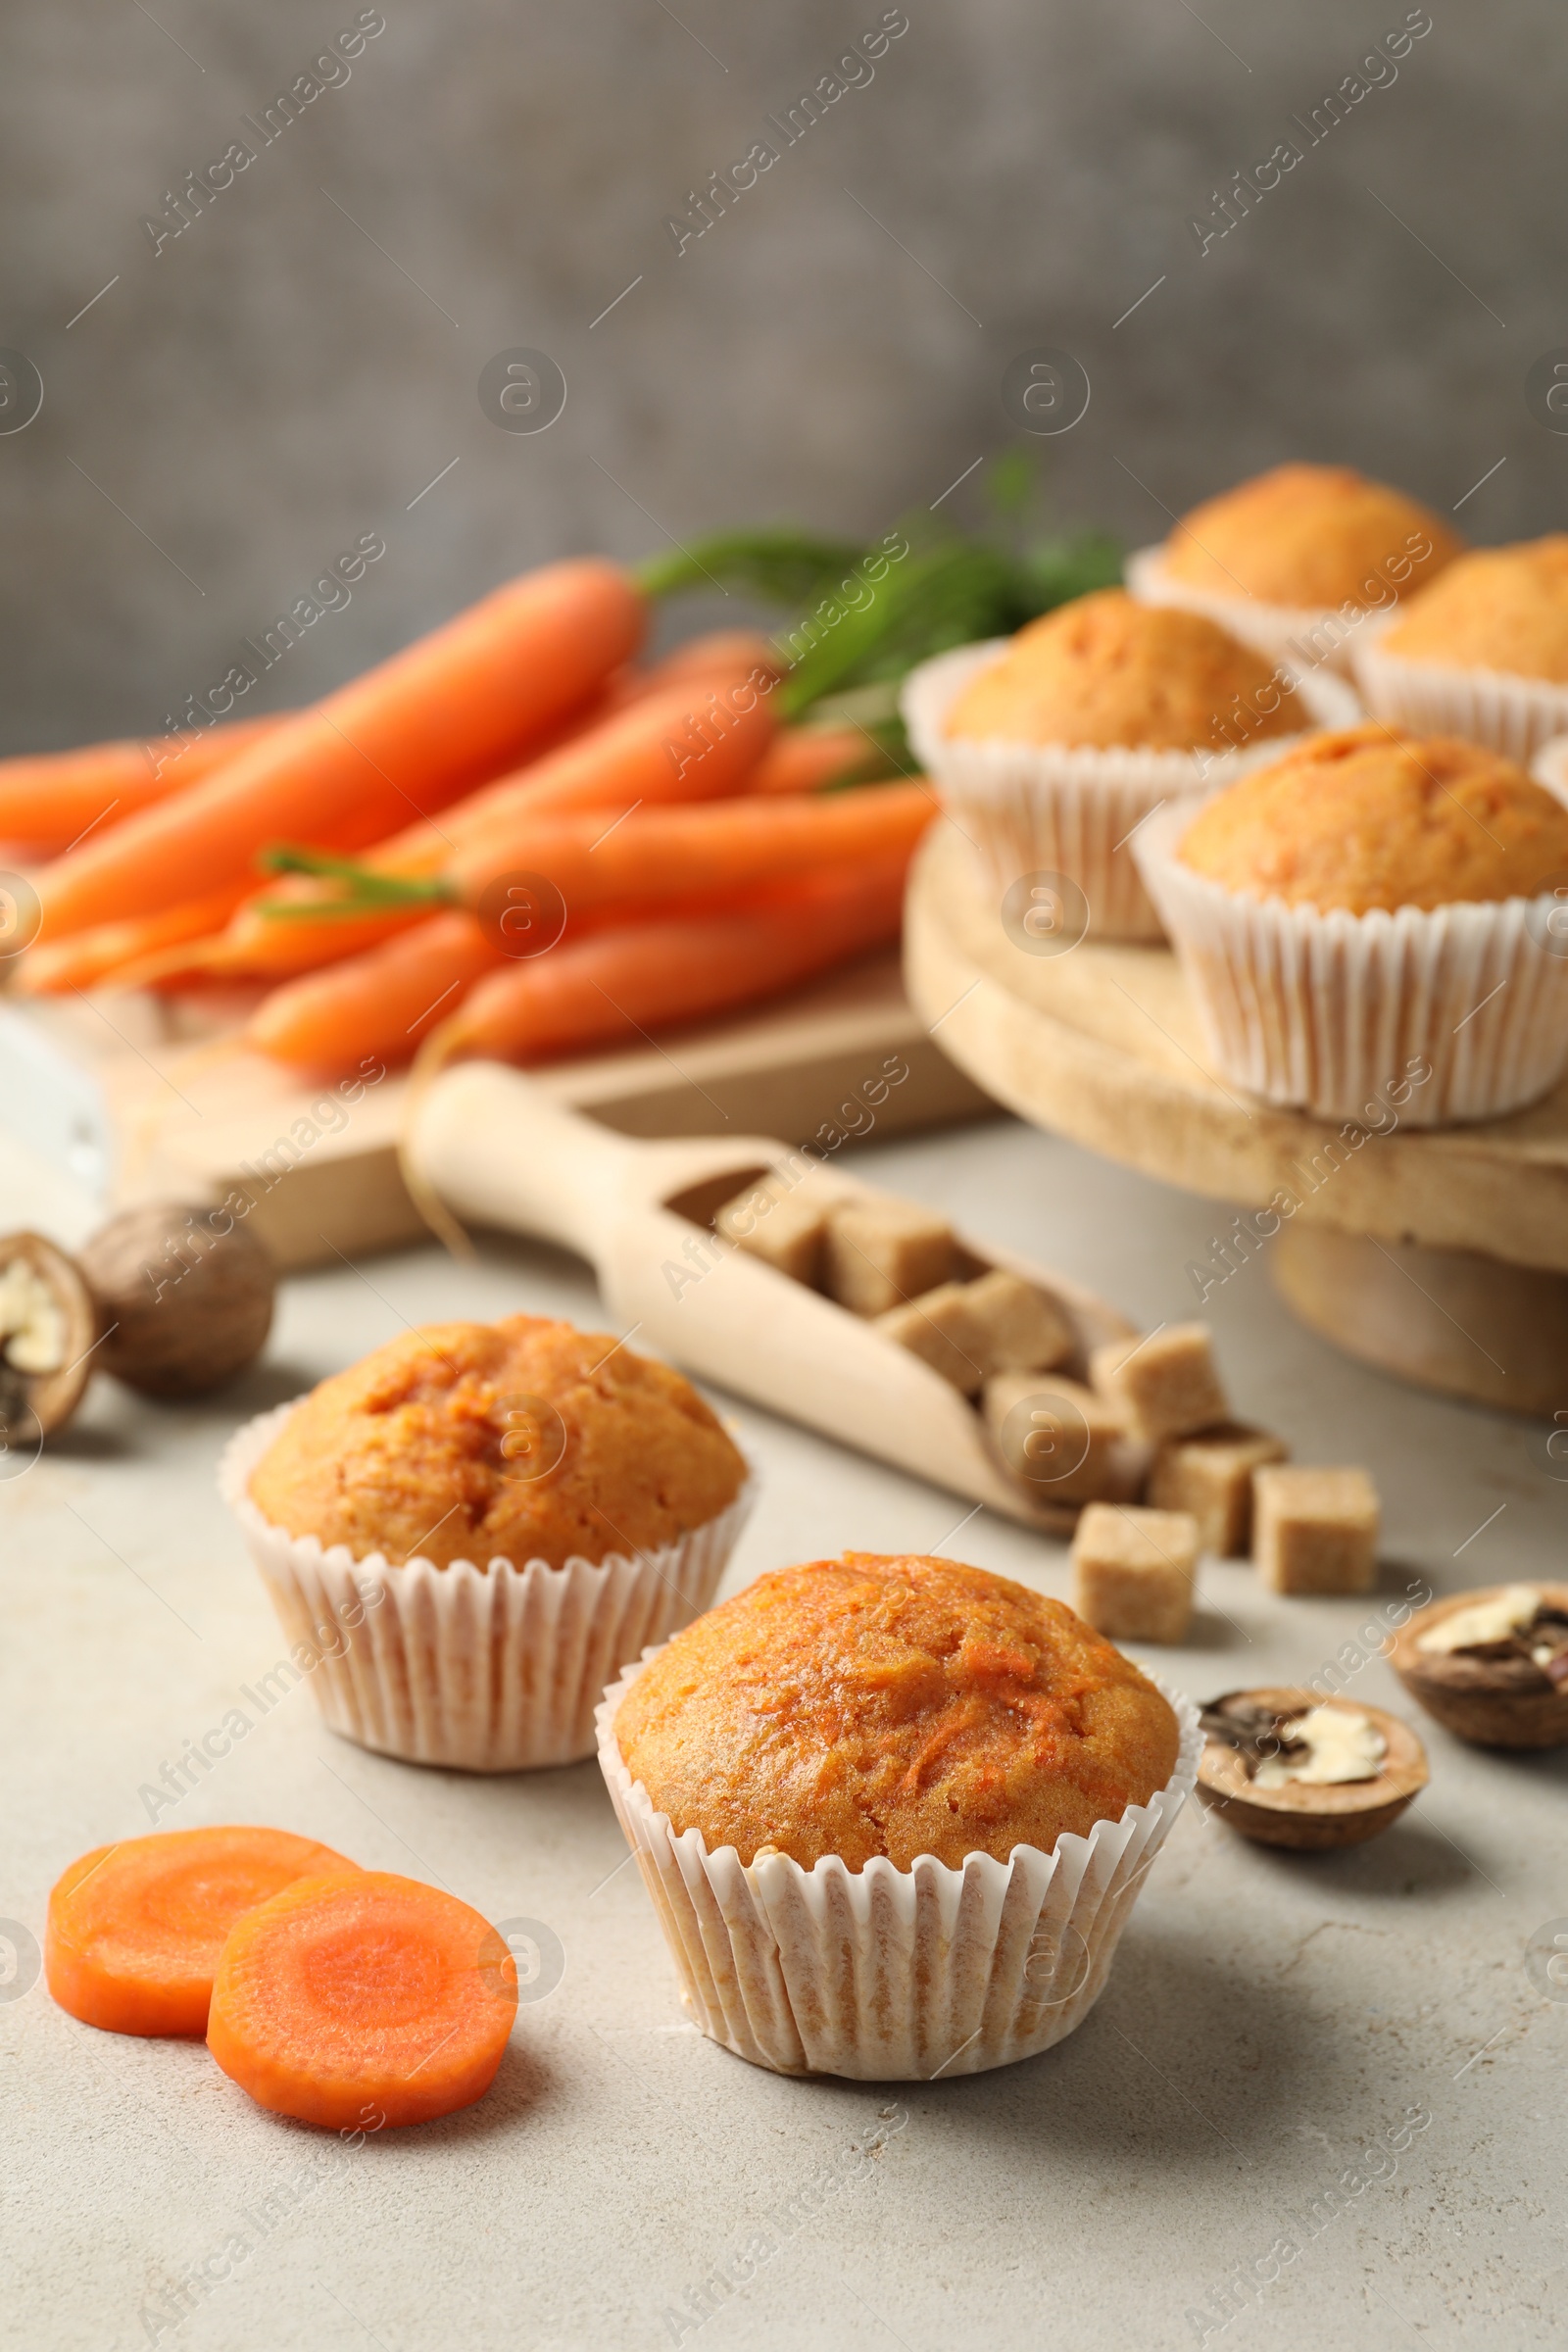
(1327, 1011)
(492, 1669)
(1058, 809)
(1549, 766)
(1311, 638)
(1508, 714)
(888, 1975)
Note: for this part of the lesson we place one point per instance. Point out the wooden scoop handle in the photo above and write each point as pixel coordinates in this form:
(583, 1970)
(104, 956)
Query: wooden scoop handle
(499, 1149)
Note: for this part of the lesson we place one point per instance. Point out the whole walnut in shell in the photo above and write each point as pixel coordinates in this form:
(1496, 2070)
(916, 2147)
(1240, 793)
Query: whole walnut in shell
(185, 1303)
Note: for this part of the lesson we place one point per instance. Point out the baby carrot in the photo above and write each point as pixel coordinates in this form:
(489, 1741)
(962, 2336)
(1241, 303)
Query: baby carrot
(713, 848)
(380, 1002)
(134, 1929)
(368, 1995)
(52, 797)
(618, 983)
(409, 736)
(85, 957)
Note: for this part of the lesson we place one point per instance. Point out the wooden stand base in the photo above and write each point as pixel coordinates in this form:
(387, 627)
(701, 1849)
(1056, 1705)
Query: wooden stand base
(1448, 1319)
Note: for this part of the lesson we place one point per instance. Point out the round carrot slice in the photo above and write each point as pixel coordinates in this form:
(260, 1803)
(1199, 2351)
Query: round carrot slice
(134, 1929)
(351, 1996)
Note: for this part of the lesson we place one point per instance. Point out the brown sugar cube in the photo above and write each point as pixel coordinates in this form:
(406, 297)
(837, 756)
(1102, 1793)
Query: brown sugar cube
(878, 1254)
(1211, 1475)
(1164, 1385)
(1316, 1530)
(1059, 1439)
(1133, 1572)
(940, 1330)
(1024, 1329)
(780, 1223)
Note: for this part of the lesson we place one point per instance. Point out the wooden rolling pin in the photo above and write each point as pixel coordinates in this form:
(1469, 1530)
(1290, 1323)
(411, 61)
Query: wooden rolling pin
(500, 1151)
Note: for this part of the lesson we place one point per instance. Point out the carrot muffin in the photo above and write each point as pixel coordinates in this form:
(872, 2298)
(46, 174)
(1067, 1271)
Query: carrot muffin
(1308, 536)
(1368, 818)
(895, 1811)
(523, 1440)
(468, 1534)
(1498, 608)
(1366, 922)
(896, 1706)
(1483, 652)
(1051, 748)
(1105, 670)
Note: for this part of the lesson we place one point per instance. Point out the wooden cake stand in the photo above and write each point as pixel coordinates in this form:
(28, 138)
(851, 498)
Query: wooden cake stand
(1439, 1256)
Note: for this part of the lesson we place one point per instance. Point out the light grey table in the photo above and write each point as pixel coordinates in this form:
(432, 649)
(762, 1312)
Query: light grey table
(1319, 2105)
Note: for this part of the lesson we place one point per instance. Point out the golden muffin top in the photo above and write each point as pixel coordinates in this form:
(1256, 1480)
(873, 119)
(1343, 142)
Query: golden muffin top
(1309, 536)
(898, 1706)
(1498, 608)
(522, 1440)
(1367, 817)
(1106, 671)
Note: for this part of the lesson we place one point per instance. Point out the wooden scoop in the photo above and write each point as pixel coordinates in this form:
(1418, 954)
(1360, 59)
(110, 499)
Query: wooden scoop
(500, 1151)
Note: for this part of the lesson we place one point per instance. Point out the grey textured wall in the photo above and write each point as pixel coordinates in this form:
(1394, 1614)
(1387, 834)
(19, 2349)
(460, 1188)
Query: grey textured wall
(286, 374)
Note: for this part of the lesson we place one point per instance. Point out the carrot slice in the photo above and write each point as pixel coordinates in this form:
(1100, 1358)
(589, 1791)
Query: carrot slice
(134, 1929)
(405, 739)
(363, 1991)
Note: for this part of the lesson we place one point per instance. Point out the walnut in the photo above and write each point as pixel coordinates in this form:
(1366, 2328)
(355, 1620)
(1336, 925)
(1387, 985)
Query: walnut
(184, 1305)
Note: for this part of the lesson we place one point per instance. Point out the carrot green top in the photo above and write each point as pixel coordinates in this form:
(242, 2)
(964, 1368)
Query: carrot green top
(898, 1706)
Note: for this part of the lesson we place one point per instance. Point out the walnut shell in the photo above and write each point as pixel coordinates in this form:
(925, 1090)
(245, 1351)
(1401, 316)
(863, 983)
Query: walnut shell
(1312, 1818)
(184, 1306)
(49, 1398)
(1490, 1702)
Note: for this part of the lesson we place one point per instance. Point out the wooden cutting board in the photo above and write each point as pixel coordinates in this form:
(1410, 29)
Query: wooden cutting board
(194, 1118)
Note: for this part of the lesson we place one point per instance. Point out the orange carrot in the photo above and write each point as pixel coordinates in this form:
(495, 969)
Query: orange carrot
(410, 736)
(616, 984)
(656, 750)
(805, 758)
(697, 740)
(134, 1929)
(363, 2000)
(83, 959)
(51, 797)
(717, 651)
(708, 850)
(380, 1002)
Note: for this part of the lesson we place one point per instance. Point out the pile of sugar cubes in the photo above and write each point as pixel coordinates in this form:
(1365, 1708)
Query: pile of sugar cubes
(1152, 1420)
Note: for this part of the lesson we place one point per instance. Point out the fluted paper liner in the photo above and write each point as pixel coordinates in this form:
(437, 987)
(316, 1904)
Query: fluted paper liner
(1327, 1010)
(1310, 637)
(889, 1975)
(1507, 713)
(1072, 810)
(488, 1669)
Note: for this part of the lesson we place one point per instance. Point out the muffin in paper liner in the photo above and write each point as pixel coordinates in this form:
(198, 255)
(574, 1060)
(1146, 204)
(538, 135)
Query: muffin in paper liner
(888, 1975)
(1502, 709)
(1308, 637)
(1070, 810)
(492, 1669)
(1325, 1009)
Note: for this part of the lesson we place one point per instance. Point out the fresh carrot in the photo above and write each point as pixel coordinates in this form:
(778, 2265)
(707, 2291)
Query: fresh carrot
(368, 1996)
(708, 850)
(697, 740)
(665, 746)
(805, 758)
(134, 1929)
(380, 1002)
(83, 959)
(717, 651)
(408, 737)
(51, 797)
(618, 983)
